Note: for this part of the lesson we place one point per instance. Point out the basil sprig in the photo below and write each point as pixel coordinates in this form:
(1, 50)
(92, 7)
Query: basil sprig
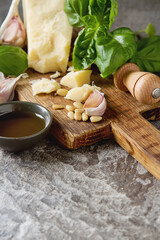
(95, 44)
(13, 60)
(109, 50)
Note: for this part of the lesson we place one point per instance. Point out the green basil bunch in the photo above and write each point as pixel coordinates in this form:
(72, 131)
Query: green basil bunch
(95, 44)
(109, 50)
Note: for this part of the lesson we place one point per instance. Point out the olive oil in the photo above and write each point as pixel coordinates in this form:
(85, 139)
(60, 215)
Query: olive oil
(20, 124)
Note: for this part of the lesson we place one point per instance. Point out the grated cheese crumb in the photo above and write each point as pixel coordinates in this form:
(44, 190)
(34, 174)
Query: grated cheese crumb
(44, 85)
(55, 75)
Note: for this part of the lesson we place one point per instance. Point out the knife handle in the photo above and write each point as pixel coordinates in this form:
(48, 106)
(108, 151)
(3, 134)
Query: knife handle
(144, 86)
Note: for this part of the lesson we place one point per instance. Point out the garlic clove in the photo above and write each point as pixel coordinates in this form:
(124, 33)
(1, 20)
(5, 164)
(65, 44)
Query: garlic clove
(7, 87)
(96, 104)
(12, 30)
(93, 100)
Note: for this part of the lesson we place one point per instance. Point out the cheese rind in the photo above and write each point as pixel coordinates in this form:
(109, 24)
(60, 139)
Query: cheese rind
(76, 79)
(49, 35)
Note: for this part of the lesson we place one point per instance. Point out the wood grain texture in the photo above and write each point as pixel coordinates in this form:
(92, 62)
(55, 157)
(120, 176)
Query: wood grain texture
(125, 120)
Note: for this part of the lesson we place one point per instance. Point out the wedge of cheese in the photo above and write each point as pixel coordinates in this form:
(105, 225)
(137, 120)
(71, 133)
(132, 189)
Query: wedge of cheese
(80, 94)
(48, 33)
(76, 79)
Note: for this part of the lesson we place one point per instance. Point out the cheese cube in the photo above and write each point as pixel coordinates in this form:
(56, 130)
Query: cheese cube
(76, 79)
(49, 35)
(80, 94)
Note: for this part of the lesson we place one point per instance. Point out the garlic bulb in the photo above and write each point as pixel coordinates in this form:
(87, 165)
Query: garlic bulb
(12, 30)
(7, 87)
(95, 104)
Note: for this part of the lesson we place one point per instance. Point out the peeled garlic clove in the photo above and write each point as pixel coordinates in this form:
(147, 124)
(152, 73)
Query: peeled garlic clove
(7, 87)
(12, 30)
(96, 104)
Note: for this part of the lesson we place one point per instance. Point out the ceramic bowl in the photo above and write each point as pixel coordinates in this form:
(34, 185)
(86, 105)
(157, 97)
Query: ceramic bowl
(20, 143)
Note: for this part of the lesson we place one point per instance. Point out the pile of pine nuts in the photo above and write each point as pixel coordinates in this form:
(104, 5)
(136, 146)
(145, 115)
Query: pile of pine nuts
(75, 111)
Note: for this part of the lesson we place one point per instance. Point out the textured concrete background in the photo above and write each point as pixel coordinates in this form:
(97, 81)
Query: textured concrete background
(97, 192)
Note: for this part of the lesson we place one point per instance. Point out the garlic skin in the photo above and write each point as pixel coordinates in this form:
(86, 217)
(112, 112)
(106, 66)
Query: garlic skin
(12, 30)
(7, 87)
(96, 104)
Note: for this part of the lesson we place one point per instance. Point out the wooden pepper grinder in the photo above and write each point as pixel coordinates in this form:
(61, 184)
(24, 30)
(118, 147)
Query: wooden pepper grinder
(144, 86)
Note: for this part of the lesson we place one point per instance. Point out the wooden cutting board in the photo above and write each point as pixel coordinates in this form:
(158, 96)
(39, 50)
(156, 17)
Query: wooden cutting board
(125, 120)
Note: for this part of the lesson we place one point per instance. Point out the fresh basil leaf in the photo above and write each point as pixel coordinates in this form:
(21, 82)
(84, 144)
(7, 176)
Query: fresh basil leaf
(91, 21)
(114, 50)
(13, 60)
(147, 56)
(102, 31)
(114, 11)
(104, 10)
(84, 53)
(75, 10)
(150, 30)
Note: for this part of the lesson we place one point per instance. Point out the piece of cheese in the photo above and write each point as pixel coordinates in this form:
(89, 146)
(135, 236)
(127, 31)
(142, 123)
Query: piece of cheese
(48, 33)
(80, 94)
(44, 85)
(76, 79)
(55, 75)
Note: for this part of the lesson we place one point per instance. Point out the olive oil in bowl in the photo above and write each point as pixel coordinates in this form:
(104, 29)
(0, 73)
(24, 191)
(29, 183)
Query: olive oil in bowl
(20, 124)
(23, 125)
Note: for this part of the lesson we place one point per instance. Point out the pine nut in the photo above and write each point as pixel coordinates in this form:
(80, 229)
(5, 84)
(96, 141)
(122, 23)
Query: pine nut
(78, 105)
(70, 108)
(79, 110)
(95, 119)
(56, 106)
(62, 92)
(84, 117)
(77, 116)
(70, 114)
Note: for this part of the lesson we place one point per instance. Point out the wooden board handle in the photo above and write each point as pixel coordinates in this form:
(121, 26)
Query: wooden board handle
(140, 139)
(141, 85)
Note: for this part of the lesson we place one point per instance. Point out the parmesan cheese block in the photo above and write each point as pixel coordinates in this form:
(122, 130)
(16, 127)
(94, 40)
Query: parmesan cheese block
(44, 85)
(49, 35)
(76, 79)
(80, 94)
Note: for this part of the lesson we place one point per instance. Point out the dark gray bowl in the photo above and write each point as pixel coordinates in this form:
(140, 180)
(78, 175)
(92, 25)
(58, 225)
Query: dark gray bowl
(20, 143)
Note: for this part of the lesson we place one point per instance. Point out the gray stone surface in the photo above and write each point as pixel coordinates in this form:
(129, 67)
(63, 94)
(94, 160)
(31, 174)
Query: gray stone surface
(97, 192)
